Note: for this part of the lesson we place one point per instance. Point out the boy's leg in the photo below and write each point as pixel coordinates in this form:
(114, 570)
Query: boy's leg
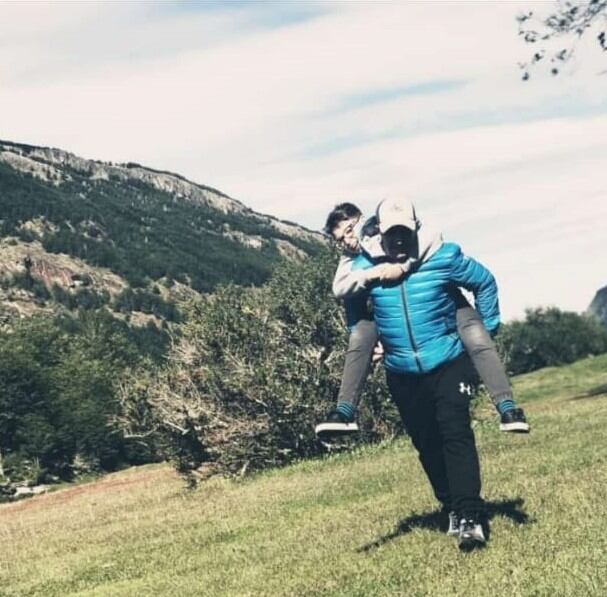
(363, 339)
(481, 349)
(417, 411)
(361, 342)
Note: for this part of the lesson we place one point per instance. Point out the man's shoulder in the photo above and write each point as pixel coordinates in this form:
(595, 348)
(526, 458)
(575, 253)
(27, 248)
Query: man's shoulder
(443, 258)
(446, 252)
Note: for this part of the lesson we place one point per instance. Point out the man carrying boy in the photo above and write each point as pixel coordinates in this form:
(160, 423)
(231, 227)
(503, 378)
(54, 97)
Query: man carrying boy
(356, 235)
(429, 374)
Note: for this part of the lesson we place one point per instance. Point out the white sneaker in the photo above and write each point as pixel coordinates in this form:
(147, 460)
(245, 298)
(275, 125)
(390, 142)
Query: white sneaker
(335, 425)
(453, 528)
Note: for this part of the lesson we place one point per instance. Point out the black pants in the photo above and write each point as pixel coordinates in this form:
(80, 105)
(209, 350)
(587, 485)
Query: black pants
(435, 408)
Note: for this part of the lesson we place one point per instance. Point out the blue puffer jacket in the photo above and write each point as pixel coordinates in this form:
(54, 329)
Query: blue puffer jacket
(416, 317)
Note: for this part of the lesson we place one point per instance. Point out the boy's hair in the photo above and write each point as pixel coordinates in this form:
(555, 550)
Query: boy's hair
(341, 212)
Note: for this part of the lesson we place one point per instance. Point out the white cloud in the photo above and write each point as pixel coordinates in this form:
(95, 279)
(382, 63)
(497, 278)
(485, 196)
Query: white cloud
(259, 111)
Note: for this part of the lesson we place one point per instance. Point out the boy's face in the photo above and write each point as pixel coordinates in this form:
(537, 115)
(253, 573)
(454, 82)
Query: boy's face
(344, 234)
(399, 243)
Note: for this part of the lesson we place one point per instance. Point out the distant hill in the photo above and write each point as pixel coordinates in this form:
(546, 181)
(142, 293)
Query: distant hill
(598, 306)
(87, 234)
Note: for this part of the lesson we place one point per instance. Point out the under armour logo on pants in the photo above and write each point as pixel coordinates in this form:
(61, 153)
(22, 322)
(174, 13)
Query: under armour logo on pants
(465, 388)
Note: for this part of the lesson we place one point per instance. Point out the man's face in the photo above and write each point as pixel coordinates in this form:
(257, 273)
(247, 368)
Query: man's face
(399, 243)
(344, 234)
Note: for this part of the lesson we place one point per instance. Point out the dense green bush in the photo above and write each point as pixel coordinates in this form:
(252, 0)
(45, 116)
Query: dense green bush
(58, 406)
(549, 337)
(252, 373)
(145, 301)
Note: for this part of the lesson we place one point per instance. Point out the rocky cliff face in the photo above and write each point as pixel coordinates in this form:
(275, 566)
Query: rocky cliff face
(53, 166)
(598, 306)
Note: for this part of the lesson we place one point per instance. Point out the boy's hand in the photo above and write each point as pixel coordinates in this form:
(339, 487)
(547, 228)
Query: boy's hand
(388, 272)
(378, 353)
(392, 272)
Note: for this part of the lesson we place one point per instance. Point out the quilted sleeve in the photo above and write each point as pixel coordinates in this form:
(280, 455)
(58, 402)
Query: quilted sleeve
(475, 277)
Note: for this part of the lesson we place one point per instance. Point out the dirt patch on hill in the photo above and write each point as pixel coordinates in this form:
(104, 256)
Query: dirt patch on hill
(109, 484)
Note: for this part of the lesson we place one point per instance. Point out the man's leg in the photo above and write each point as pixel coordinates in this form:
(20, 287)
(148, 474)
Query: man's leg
(363, 338)
(417, 411)
(481, 349)
(453, 390)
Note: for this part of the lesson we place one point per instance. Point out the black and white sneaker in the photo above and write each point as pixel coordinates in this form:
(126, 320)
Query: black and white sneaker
(470, 534)
(335, 425)
(514, 421)
(453, 528)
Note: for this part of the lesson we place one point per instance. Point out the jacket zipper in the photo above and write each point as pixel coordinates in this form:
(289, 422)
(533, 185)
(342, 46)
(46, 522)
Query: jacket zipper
(409, 330)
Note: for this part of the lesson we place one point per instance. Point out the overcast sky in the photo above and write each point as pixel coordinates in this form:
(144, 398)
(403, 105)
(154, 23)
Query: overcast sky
(292, 107)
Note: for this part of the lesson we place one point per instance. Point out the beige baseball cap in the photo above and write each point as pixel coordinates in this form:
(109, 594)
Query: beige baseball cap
(396, 212)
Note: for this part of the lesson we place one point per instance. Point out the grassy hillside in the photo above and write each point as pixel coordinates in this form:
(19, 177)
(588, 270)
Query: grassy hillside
(356, 524)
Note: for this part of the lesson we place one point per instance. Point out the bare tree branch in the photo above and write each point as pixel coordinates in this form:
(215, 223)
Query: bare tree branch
(569, 22)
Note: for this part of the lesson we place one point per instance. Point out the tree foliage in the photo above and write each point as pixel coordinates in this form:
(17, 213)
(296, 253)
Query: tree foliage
(58, 405)
(252, 373)
(548, 337)
(564, 26)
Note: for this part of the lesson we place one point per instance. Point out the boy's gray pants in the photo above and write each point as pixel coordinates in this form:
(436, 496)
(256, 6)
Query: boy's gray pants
(475, 338)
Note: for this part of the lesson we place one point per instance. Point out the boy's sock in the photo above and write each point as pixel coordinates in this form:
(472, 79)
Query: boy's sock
(347, 410)
(511, 417)
(505, 404)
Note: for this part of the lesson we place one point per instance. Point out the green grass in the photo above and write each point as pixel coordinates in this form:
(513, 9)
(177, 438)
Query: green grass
(352, 524)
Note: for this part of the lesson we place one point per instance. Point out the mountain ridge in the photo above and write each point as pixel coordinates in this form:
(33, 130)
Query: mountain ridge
(53, 155)
(125, 236)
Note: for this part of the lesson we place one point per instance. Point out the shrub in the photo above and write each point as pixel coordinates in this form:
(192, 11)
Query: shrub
(549, 337)
(58, 401)
(252, 373)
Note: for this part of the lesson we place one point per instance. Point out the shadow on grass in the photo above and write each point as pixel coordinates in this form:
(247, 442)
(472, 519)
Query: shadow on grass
(437, 521)
(599, 391)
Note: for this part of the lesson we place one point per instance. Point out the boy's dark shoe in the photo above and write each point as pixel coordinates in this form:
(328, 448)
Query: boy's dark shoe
(470, 535)
(514, 421)
(335, 425)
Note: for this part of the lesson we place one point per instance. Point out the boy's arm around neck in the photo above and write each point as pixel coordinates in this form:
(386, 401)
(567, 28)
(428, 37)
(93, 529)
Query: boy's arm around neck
(350, 280)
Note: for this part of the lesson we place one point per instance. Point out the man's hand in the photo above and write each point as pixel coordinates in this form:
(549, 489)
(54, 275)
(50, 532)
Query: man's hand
(388, 272)
(378, 353)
